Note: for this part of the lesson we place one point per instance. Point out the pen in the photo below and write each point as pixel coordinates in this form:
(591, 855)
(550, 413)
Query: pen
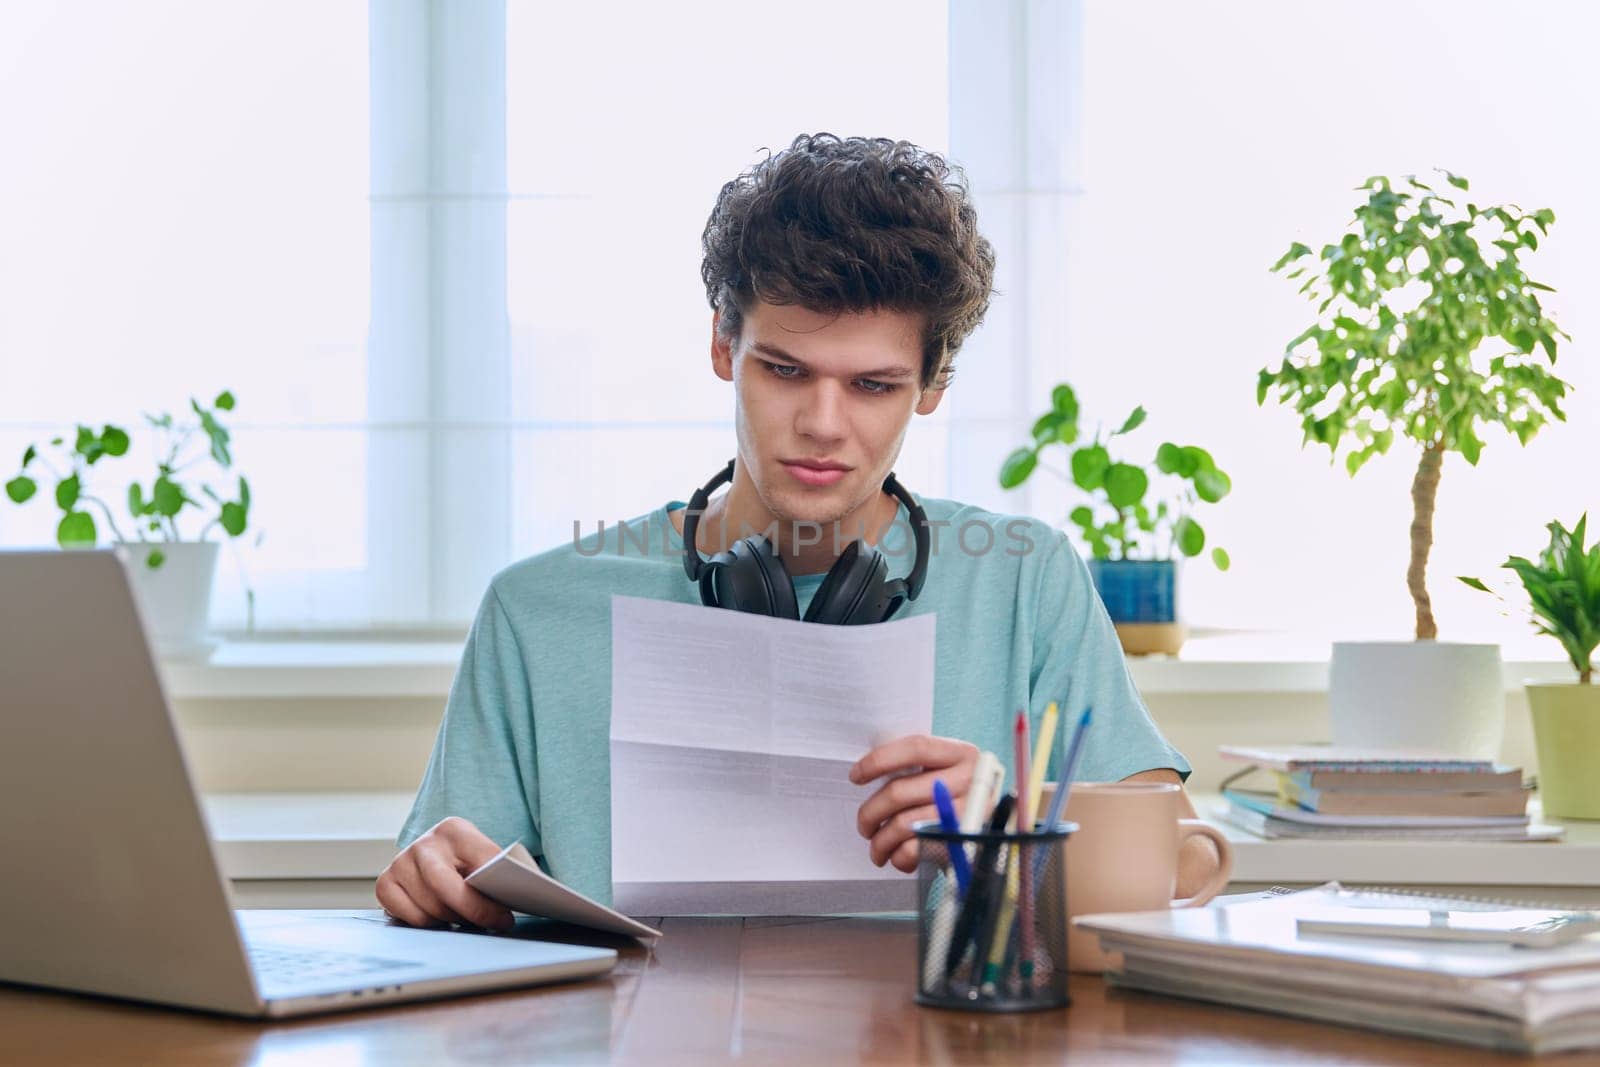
(976, 905)
(987, 778)
(994, 876)
(948, 823)
(1058, 802)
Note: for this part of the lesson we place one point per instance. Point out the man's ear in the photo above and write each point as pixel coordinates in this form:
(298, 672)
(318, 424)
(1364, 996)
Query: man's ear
(929, 401)
(721, 350)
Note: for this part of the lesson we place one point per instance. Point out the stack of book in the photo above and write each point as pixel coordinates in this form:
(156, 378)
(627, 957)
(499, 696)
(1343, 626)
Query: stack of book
(1266, 953)
(1321, 791)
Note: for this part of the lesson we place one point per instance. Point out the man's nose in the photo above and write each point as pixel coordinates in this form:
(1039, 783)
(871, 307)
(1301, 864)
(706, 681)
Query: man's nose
(822, 412)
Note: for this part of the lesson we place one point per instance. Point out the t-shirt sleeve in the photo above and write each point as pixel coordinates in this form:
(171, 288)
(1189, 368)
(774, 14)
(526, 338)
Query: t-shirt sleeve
(483, 767)
(1078, 662)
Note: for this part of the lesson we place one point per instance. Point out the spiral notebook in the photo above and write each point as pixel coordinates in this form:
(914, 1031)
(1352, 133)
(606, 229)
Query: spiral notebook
(1251, 954)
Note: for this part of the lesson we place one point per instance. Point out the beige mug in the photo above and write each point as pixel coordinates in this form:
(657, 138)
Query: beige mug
(1124, 857)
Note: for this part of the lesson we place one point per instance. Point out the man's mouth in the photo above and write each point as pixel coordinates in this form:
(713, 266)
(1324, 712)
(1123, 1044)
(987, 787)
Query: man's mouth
(815, 472)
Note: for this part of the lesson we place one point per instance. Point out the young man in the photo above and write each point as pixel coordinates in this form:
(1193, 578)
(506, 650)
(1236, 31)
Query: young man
(843, 276)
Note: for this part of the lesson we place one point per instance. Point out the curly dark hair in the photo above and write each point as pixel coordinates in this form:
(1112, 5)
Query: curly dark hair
(848, 225)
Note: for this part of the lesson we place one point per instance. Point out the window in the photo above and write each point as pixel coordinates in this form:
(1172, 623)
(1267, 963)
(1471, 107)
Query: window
(183, 209)
(447, 257)
(615, 157)
(1212, 136)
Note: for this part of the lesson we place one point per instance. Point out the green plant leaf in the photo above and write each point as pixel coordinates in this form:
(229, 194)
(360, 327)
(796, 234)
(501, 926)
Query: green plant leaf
(1219, 556)
(1476, 583)
(114, 441)
(1169, 458)
(1083, 516)
(1455, 180)
(1296, 250)
(76, 529)
(1125, 484)
(166, 497)
(1189, 536)
(244, 493)
(28, 456)
(1132, 423)
(1089, 467)
(1065, 402)
(1016, 468)
(215, 431)
(155, 559)
(67, 492)
(1211, 485)
(1046, 428)
(136, 504)
(233, 519)
(224, 401)
(21, 488)
(1191, 460)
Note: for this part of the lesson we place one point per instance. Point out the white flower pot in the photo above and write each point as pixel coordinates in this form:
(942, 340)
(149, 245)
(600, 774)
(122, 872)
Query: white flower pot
(174, 599)
(1435, 695)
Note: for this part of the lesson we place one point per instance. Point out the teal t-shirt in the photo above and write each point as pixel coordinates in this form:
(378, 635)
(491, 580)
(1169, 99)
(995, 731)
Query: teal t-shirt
(523, 751)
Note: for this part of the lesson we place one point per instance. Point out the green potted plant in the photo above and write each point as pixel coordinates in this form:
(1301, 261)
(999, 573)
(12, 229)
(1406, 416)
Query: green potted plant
(1427, 329)
(1563, 588)
(171, 573)
(1138, 519)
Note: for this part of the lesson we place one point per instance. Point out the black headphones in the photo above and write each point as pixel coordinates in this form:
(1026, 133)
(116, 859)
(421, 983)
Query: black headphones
(751, 577)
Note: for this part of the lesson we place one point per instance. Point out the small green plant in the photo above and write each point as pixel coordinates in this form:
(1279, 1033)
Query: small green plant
(1404, 302)
(1123, 520)
(1563, 590)
(155, 507)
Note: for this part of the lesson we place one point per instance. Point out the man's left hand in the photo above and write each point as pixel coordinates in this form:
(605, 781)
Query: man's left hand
(911, 764)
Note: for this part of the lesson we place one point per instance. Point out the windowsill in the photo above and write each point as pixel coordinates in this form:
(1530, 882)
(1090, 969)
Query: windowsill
(312, 836)
(266, 669)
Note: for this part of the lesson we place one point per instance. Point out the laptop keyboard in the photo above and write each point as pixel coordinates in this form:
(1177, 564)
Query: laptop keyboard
(292, 965)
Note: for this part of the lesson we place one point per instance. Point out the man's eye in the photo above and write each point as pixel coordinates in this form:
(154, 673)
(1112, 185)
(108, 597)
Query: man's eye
(782, 370)
(876, 388)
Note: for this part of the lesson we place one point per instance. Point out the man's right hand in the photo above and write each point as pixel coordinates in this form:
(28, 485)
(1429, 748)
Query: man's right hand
(426, 884)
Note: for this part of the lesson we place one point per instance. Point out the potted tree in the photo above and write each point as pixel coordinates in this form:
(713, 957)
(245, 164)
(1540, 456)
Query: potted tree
(171, 574)
(1134, 534)
(1405, 301)
(1563, 589)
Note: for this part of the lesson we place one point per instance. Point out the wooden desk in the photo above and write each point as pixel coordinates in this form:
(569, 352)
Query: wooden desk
(715, 991)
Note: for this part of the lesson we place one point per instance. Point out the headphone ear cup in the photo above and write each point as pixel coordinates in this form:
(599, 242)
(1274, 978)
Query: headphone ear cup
(848, 594)
(754, 579)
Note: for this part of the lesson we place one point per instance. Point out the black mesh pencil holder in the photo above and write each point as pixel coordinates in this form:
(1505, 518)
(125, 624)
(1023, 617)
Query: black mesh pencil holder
(995, 940)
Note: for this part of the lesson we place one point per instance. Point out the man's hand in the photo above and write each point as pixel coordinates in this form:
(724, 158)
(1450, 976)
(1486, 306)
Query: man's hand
(426, 884)
(907, 797)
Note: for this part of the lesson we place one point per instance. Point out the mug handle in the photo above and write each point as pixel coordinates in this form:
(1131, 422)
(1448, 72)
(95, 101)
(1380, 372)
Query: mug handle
(1188, 828)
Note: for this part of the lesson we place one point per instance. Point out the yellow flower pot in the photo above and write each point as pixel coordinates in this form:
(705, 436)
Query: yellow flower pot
(1566, 732)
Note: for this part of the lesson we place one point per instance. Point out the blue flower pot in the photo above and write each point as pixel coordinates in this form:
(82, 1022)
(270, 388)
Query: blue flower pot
(1137, 591)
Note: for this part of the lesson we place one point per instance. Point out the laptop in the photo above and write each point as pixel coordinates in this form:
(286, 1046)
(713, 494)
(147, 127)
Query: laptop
(110, 884)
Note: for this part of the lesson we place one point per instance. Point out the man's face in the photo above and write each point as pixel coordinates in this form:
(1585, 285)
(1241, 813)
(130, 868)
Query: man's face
(822, 405)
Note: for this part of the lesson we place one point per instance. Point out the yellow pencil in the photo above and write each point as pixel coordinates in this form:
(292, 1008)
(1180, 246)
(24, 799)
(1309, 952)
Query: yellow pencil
(1008, 913)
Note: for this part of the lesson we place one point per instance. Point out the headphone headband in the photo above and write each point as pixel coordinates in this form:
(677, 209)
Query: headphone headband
(911, 585)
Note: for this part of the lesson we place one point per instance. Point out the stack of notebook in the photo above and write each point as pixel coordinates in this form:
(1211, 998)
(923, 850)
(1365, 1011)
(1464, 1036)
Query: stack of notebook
(1322, 791)
(1265, 954)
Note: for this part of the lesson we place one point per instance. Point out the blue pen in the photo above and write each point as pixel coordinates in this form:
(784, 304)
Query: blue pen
(951, 825)
(1058, 802)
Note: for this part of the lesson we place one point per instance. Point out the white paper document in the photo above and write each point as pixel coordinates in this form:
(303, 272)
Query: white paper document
(732, 736)
(513, 878)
